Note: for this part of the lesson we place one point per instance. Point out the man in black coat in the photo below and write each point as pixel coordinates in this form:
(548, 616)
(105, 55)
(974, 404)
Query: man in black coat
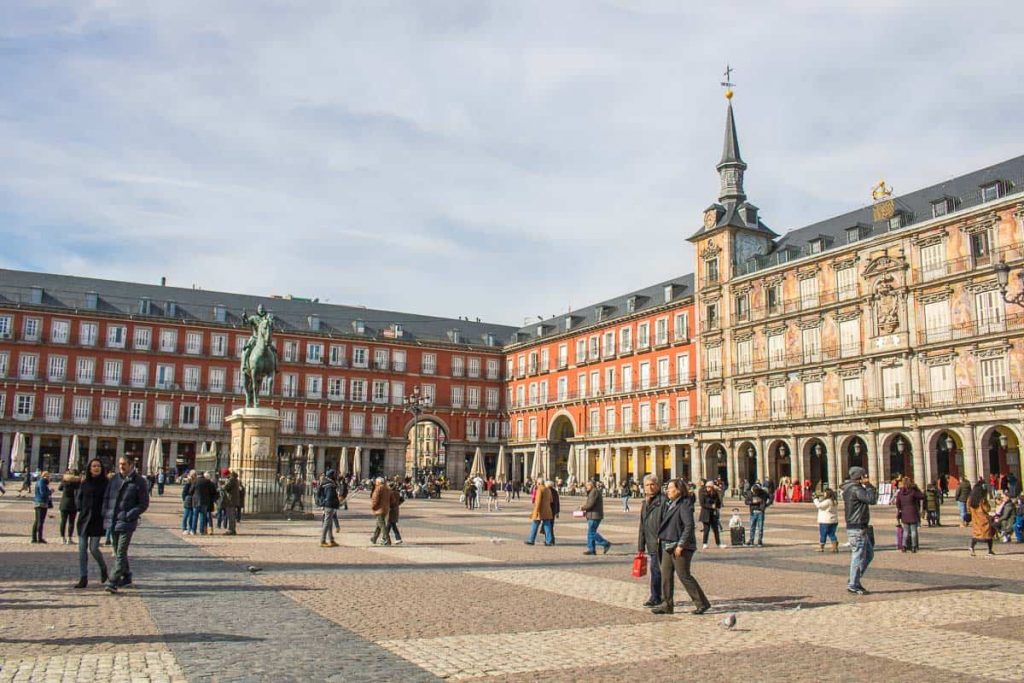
(126, 498)
(593, 508)
(678, 544)
(647, 542)
(204, 495)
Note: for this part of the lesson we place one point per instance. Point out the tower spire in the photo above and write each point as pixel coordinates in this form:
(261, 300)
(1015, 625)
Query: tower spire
(731, 167)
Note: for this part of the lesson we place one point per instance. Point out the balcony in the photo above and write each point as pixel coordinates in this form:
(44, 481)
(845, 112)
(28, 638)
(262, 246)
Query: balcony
(971, 329)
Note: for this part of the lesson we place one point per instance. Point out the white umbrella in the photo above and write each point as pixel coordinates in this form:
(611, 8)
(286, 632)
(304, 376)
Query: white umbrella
(18, 453)
(357, 464)
(535, 471)
(310, 461)
(606, 466)
(343, 465)
(73, 453)
(216, 455)
(476, 470)
(571, 466)
(295, 460)
(158, 454)
(500, 468)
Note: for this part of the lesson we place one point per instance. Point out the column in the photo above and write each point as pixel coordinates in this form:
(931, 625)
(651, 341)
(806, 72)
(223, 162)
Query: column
(677, 454)
(119, 450)
(734, 469)
(66, 463)
(655, 466)
(920, 475)
(970, 455)
(833, 464)
(32, 456)
(637, 470)
(172, 458)
(696, 457)
(94, 445)
(796, 457)
(6, 441)
(320, 455)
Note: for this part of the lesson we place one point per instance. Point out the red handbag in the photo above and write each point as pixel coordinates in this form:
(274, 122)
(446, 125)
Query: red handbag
(640, 565)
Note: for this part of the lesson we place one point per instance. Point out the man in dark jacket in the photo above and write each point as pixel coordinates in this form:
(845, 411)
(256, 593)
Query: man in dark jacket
(593, 507)
(758, 500)
(858, 497)
(963, 492)
(327, 496)
(232, 501)
(556, 506)
(678, 544)
(647, 542)
(126, 498)
(204, 495)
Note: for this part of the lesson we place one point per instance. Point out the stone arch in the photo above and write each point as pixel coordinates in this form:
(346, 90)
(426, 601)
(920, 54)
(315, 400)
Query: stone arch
(561, 430)
(897, 455)
(850, 455)
(814, 458)
(715, 461)
(428, 453)
(999, 449)
(747, 458)
(942, 459)
(780, 460)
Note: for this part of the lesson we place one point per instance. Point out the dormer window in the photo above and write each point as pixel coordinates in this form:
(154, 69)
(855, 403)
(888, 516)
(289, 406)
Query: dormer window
(852, 235)
(568, 322)
(815, 246)
(631, 304)
(944, 206)
(540, 330)
(359, 326)
(898, 220)
(669, 291)
(992, 191)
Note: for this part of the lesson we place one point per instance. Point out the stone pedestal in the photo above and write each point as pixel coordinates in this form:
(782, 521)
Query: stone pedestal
(254, 457)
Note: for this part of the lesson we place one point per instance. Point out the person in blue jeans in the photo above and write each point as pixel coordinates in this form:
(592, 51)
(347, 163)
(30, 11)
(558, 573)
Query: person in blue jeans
(593, 506)
(542, 515)
(858, 497)
(647, 542)
(758, 500)
(187, 511)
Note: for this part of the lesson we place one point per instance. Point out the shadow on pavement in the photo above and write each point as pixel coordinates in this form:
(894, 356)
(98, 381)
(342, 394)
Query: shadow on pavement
(133, 640)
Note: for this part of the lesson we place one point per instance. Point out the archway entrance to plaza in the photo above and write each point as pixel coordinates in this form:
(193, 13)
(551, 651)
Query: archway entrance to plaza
(49, 455)
(1001, 450)
(561, 431)
(816, 465)
(898, 457)
(854, 453)
(945, 450)
(779, 462)
(426, 448)
(746, 456)
(716, 464)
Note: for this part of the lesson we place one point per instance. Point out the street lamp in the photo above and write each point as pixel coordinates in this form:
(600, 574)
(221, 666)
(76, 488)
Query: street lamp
(416, 403)
(818, 449)
(1003, 441)
(1003, 277)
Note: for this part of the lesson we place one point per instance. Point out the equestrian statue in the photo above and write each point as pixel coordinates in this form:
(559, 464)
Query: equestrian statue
(259, 357)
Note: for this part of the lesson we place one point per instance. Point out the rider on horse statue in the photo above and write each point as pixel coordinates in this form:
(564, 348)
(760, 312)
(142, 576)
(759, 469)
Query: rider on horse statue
(264, 364)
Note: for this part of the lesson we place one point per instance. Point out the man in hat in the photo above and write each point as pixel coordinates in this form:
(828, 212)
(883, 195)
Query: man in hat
(327, 493)
(858, 497)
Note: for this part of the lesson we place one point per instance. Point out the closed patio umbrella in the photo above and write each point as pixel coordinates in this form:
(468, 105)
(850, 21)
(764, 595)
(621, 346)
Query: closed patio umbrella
(18, 453)
(606, 466)
(500, 467)
(158, 454)
(535, 470)
(357, 464)
(73, 453)
(571, 466)
(343, 465)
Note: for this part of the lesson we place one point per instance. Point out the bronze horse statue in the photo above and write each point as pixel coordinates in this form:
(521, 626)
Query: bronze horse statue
(259, 357)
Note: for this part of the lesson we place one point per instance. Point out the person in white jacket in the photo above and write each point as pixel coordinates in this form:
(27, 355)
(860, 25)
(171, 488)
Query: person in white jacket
(828, 519)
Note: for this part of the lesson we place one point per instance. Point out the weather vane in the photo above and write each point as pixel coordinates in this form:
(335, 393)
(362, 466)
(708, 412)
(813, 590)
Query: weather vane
(727, 83)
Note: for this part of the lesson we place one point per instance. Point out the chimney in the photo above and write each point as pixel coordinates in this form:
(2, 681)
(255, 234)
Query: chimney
(163, 281)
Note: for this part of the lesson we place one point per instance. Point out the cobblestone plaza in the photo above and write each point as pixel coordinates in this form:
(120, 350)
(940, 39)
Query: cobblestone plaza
(463, 598)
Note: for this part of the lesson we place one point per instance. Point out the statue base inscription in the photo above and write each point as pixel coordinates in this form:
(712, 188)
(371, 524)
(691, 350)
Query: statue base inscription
(254, 457)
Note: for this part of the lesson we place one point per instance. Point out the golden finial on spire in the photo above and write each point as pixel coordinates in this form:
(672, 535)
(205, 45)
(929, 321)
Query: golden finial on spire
(881, 191)
(726, 83)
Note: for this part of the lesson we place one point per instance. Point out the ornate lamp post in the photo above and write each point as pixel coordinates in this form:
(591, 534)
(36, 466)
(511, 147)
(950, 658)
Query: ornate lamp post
(416, 403)
(1003, 277)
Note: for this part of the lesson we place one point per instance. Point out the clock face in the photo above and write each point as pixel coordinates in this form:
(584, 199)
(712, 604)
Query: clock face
(710, 218)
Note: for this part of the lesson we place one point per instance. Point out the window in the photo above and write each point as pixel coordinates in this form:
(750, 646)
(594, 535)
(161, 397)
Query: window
(595, 383)
(356, 421)
(380, 390)
(492, 367)
(473, 395)
(609, 420)
(683, 368)
(933, 261)
(398, 362)
(112, 372)
(380, 425)
(24, 406)
(398, 393)
(812, 345)
(142, 338)
(32, 326)
(218, 345)
(777, 350)
(813, 402)
(5, 327)
(492, 397)
(774, 297)
(87, 333)
(661, 331)
(214, 417)
(814, 246)
(897, 221)
(164, 376)
(314, 386)
(60, 331)
(989, 310)
(53, 408)
(809, 292)
(852, 396)
(28, 365)
(595, 421)
(645, 376)
(746, 405)
(849, 338)
(3, 363)
(336, 388)
(458, 366)
(57, 368)
(533, 393)
(191, 378)
(493, 430)
(520, 396)
(291, 351)
(711, 316)
(682, 327)
(240, 345)
(711, 266)
(116, 336)
(288, 420)
(519, 429)
(940, 381)
(683, 413)
(136, 413)
(429, 393)
(715, 408)
(474, 366)
(109, 408)
(609, 380)
(942, 207)
(562, 389)
(626, 339)
(643, 339)
(846, 283)
(581, 385)
(140, 374)
(852, 235)
(595, 348)
(86, 370)
(663, 372)
(315, 353)
(627, 418)
(334, 424)
(289, 385)
(312, 420)
(742, 307)
(358, 392)
(627, 377)
(892, 388)
(381, 357)
(337, 356)
(218, 377)
(81, 409)
(991, 191)
(779, 402)
(168, 341)
(162, 418)
(714, 366)
(521, 364)
(581, 352)
(981, 245)
(993, 377)
(608, 347)
(429, 363)
(936, 321)
(744, 356)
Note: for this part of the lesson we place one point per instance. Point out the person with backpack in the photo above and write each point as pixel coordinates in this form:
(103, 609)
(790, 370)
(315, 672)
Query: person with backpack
(327, 498)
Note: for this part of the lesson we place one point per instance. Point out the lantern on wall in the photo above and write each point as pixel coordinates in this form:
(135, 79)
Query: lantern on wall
(818, 450)
(858, 448)
(901, 445)
(1003, 441)
(950, 444)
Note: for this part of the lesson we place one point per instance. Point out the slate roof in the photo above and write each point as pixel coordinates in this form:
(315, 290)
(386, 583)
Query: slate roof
(646, 299)
(198, 305)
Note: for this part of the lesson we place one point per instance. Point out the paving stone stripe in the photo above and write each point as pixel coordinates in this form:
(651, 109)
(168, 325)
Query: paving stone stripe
(156, 666)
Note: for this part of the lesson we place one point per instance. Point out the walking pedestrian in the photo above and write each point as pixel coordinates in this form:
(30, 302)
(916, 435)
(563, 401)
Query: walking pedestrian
(42, 502)
(507, 486)
(541, 515)
(933, 505)
(161, 481)
(327, 498)
(858, 497)
(981, 524)
(963, 492)
(380, 506)
(125, 499)
(393, 505)
(710, 512)
(26, 484)
(89, 503)
(647, 541)
(232, 498)
(678, 537)
(593, 508)
(556, 506)
(758, 502)
(908, 512)
(625, 498)
(187, 512)
(68, 509)
(828, 519)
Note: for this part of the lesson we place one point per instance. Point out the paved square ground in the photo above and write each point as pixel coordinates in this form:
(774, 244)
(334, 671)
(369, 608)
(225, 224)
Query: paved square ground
(463, 598)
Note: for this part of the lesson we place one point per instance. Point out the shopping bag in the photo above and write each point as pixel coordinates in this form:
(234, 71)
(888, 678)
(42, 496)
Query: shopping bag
(899, 537)
(578, 513)
(640, 565)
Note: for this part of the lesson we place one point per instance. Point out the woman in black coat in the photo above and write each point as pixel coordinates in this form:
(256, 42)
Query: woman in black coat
(710, 512)
(68, 508)
(90, 520)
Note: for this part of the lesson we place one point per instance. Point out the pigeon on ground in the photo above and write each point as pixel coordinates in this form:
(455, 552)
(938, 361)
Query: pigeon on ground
(729, 622)
(496, 541)
(253, 570)
(797, 608)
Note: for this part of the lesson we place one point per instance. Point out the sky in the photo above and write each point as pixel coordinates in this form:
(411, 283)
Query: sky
(501, 160)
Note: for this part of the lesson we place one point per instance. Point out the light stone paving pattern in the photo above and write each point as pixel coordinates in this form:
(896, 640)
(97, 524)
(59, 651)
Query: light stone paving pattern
(136, 667)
